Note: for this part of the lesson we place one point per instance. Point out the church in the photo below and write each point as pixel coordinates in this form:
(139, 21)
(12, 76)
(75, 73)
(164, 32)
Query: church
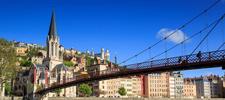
(52, 71)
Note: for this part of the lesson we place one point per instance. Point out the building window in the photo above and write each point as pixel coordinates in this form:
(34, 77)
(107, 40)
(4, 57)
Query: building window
(52, 49)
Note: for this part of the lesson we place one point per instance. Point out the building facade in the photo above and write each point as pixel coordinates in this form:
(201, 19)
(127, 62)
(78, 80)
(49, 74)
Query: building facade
(209, 87)
(152, 87)
(189, 88)
(109, 88)
(203, 87)
(216, 86)
(21, 51)
(176, 82)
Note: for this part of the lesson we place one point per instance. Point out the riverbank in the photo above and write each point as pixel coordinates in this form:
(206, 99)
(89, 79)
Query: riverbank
(93, 98)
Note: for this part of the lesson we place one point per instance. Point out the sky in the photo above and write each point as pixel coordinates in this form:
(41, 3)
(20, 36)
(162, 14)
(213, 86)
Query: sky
(125, 27)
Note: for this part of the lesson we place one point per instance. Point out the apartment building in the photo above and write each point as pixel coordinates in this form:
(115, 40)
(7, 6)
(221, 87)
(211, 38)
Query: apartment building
(176, 82)
(203, 87)
(209, 86)
(216, 86)
(109, 88)
(157, 85)
(189, 89)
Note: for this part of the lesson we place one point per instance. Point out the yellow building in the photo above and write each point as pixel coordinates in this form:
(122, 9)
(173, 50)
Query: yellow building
(189, 89)
(137, 86)
(109, 88)
(71, 52)
(21, 51)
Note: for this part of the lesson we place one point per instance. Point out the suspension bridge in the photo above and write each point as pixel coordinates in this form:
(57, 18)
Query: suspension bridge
(199, 60)
(187, 62)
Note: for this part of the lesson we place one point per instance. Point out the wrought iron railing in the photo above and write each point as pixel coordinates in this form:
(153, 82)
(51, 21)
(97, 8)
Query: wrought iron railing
(174, 61)
(187, 59)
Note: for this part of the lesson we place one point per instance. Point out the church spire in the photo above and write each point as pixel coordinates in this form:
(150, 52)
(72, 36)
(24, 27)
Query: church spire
(52, 29)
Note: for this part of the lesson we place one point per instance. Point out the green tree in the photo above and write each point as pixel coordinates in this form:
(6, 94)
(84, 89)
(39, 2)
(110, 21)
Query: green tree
(25, 63)
(32, 52)
(7, 61)
(8, 90)
(89, 60)
(85, 90)
(58, 91)
(122, 91)
(68, 63)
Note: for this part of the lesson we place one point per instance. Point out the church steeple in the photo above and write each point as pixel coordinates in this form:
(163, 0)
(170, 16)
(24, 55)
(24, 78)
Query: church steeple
(52, 29)
(54, 50)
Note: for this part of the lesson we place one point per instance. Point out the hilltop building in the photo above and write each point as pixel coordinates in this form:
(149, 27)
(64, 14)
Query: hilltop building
(103, 55)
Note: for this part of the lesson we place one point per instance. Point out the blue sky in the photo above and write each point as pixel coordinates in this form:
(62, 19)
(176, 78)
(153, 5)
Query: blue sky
(123, 26)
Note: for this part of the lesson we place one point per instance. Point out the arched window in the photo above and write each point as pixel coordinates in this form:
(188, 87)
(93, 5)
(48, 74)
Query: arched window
(56, 48)
(52, 49)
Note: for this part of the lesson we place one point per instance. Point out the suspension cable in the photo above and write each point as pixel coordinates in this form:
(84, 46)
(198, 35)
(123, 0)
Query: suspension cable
(179, 28)
(221, 46)
(204, 29)
(223, 39)
(207, 39)
(210, 31)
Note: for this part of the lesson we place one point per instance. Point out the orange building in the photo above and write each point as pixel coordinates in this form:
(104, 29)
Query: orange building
(153, 88)
(189, 89)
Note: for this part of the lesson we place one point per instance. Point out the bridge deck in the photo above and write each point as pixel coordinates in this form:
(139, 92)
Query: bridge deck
(187, 62)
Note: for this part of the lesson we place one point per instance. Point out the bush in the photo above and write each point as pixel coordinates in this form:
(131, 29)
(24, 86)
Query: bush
(85, 90)
(68, 63)
(58, 91)
(122, 91)
(8, 90)
(25, 63)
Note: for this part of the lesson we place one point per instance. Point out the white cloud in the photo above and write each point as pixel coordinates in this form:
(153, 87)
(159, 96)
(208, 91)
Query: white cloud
(176, 37)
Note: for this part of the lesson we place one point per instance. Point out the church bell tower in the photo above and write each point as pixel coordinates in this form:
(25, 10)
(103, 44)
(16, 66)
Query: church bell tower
(53, 45)
(54, 49)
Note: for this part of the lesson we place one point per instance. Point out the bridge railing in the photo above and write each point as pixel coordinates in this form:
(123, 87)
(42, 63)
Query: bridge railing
(187, 59)
(194, 58)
